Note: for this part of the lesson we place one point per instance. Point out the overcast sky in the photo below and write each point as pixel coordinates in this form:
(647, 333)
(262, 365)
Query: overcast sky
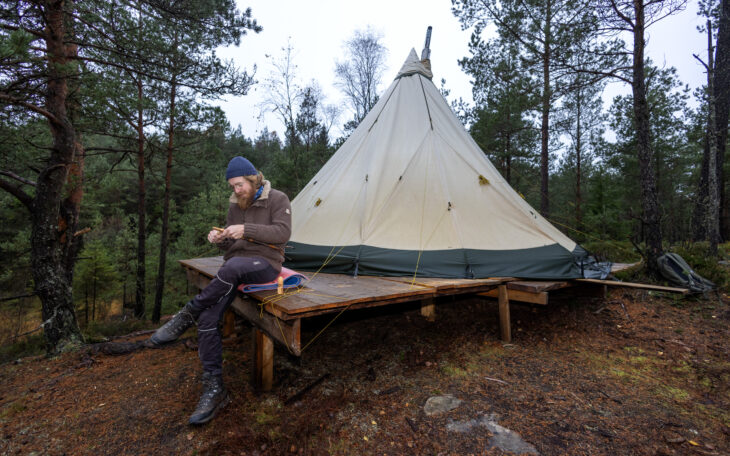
(319, 28)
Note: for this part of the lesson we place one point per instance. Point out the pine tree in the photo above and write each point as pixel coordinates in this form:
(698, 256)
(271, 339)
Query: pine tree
(582, 120)
(550, 33)
(634, 17)
(502, 93)
(38, 82)
(673, 159)
(192, 31)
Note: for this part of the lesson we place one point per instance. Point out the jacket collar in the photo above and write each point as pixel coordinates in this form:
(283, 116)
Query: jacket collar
(261, 201)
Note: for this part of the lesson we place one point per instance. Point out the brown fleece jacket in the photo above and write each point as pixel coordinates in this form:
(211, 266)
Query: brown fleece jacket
(267, 227)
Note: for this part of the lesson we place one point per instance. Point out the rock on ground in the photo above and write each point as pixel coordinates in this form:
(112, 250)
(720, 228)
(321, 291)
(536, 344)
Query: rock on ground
(502, 438)
(440, 404)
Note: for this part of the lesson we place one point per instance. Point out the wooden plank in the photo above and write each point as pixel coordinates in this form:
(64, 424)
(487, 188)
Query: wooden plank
(642, 286)
(287, 333)
(334, 291)
(263, 361)
(331, 292)
(207, 266)
(197, 279)
(315, 310)
(355, 306)
(521, 296)
(536, 286)
(442, 284)
(504, 318)
(428, 309)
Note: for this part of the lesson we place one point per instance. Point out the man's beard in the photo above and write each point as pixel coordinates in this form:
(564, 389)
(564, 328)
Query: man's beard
(245, 200)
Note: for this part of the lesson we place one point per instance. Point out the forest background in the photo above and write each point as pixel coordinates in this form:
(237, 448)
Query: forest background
(114, 147)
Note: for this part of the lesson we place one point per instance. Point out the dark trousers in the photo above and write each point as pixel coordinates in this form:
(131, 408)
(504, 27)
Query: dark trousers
(214, 299)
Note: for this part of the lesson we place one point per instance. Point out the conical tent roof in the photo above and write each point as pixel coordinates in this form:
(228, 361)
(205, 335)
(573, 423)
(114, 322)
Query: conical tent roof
(410, 192)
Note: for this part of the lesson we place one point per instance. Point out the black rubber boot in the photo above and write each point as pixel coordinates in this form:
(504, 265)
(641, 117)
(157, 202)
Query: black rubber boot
(177, 325)
(214, 398)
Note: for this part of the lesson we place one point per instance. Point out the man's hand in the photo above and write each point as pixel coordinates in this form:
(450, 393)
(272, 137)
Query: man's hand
(215, 236)
(233, 231)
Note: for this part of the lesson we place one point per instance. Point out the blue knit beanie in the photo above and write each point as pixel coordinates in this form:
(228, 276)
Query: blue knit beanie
(239, 166)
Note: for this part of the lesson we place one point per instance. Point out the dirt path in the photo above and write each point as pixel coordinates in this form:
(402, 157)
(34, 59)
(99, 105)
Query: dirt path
(653, 379)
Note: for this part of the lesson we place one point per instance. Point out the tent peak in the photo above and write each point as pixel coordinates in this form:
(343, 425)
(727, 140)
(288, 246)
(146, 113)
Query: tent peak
(413, 65)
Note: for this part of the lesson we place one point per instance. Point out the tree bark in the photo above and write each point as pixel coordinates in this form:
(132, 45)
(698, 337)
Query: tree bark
(139, 307)
(55, 207)
(507, 162)
(712, 216)
(93, 297)
(160, 284)
(578, 146)
(86, 301)
(508, 147)
(649, 202)
(544, 129)
(699, 214)
(722, 109)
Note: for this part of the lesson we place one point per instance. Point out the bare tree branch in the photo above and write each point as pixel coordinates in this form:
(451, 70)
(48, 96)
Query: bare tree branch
(701, 61)
(17, 192)
(20, 179)
(30, 106)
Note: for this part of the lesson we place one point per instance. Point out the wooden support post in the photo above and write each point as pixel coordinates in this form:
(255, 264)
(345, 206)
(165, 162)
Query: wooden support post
(504, 321)
(263, 361)
(428, 309)
(229, 323)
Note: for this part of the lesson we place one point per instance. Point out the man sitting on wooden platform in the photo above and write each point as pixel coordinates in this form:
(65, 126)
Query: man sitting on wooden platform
(258, 226)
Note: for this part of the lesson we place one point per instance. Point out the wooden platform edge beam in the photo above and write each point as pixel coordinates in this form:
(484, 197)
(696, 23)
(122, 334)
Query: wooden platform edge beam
(520, 296)
(188, 267)
(538, 286)
(286, 332)
(363, 304)
(196, 278)
(641, 286)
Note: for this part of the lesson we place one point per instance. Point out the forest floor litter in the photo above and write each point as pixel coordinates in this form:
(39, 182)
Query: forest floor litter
(635, 374)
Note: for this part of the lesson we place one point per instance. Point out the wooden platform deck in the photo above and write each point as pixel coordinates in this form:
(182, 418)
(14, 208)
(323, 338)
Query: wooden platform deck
(327, 293)
(278, 317)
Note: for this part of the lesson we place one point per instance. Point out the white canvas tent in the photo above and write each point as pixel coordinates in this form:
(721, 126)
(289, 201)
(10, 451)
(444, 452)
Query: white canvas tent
(410, 192)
